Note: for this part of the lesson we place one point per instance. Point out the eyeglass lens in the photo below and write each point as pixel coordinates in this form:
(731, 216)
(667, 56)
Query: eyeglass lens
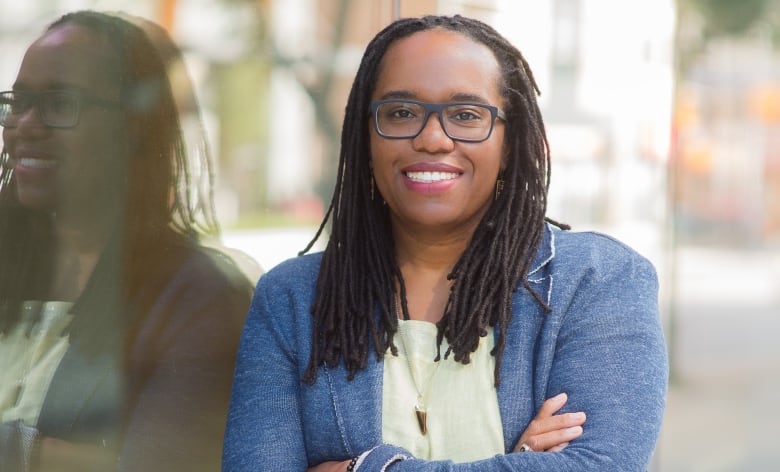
(57, 109)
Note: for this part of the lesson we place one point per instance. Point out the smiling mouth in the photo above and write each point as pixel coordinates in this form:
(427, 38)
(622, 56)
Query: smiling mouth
(430, 177)
(33, 163)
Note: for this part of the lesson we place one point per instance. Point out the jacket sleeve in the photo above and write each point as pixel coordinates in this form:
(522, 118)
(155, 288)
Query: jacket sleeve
(610, 357)
(185, 354)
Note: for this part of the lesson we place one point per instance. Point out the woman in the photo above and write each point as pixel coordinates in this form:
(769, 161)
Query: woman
(119, 329)
(445, 310)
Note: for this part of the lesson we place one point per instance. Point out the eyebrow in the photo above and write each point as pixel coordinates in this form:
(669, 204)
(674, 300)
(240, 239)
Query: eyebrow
(458, 97)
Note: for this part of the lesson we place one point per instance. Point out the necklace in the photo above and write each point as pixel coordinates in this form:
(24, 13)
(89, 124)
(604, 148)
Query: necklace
(420, 408)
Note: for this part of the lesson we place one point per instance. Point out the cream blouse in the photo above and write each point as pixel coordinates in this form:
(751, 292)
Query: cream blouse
(30, 353)
(463, 419)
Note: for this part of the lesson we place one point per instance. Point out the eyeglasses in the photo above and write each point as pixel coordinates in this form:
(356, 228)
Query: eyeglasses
(56, 109)
(461, 121)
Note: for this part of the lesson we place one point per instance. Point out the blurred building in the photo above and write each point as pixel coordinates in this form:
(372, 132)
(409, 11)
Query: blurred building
(605, 70)
(727, 130)
(273, 77)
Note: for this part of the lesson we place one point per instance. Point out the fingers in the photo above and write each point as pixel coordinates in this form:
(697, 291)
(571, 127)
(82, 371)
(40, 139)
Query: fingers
(551, 432)
(551, 405)
(553, 440)
(547, 424)
(558, 448)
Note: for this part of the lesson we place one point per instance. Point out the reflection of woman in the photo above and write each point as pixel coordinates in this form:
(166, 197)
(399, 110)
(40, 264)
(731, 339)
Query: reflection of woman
(444, 310)
(119, 330)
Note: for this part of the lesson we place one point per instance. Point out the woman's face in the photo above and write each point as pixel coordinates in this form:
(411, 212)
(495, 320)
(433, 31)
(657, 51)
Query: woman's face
(73, 170)
(431, 182)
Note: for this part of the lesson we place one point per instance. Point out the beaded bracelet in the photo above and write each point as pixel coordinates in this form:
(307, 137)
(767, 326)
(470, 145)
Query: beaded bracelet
(352, 463)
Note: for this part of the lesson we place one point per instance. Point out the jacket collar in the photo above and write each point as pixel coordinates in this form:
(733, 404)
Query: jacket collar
(546, 250)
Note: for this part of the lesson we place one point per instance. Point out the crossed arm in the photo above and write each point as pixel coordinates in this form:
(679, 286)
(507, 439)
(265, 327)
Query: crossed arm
(547, 432)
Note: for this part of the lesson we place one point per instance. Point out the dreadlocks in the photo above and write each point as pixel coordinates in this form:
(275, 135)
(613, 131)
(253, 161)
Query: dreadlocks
(359, 274)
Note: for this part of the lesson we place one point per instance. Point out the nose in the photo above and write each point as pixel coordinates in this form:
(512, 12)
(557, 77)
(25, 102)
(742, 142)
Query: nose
(432, 137)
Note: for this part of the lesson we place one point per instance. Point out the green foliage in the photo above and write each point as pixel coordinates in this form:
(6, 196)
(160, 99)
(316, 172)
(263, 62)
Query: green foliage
(701, 21)
(731, 17)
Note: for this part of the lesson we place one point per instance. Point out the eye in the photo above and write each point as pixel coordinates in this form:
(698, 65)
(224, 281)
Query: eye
(466, 115)
(399, 112)
(15, 104)
(59, 103)
(402, 113)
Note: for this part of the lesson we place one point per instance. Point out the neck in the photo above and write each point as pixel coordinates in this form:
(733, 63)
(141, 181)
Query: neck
(425, 264)
(78, 250)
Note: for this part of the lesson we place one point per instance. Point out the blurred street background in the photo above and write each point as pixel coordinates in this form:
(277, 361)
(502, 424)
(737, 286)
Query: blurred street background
(664, 123)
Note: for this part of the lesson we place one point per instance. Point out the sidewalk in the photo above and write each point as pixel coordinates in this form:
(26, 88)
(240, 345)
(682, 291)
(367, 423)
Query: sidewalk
(722, 412)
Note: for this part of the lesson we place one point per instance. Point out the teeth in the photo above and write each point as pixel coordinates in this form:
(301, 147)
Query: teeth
(37, 163)
(429, 177)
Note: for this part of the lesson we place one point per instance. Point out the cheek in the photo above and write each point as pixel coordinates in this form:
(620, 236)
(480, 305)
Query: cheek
(94, 163)
(380, 159)
(101, 140)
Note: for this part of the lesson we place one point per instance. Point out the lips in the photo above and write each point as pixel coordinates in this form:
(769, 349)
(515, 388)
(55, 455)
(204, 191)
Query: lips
(431, 171)
(35, 163)
(430, 177)
(26, 158)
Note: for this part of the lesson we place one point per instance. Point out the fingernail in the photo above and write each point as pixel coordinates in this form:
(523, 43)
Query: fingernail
(560, 396)
(574, 430)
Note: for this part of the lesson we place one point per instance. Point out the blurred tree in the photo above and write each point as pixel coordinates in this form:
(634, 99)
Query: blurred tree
(729, 18)
(319, 87)
(315, 75)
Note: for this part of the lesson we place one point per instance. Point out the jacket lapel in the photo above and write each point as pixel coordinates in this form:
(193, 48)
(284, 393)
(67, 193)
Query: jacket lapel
(518, 396)
(358, 405)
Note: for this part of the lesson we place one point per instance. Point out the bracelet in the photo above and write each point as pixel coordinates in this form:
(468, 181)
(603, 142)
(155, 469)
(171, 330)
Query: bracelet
(351, 465)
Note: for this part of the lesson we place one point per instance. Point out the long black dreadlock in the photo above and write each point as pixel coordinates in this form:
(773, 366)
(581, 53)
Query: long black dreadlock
(359, 273)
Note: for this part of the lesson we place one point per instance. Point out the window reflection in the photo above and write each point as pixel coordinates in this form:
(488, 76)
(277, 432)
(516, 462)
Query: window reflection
(119, 325)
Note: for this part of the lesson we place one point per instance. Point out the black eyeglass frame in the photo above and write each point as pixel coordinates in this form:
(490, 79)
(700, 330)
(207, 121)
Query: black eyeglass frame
(437, 108)
(34, 100)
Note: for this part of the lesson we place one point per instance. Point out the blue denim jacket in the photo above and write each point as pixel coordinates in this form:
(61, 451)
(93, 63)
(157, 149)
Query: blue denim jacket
(602, 344)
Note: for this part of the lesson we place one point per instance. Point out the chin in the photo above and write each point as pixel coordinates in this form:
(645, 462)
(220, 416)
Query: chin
(36, 199)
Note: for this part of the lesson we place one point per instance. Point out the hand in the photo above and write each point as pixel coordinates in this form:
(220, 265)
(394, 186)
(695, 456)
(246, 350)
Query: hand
(549, 432)
(330, 466)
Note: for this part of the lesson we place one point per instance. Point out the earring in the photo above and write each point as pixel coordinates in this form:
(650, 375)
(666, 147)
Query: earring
(499, 187)
(372, 187)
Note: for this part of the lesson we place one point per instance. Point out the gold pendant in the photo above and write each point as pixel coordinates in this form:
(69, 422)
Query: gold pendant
(422, 418)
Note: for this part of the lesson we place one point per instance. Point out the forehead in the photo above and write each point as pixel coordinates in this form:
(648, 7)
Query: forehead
(437, 65)
(68, 56)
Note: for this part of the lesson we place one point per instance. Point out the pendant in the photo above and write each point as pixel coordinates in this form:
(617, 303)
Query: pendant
(422, 418)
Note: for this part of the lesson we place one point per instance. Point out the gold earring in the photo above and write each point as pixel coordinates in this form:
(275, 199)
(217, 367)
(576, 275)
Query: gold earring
(499, 187)
(372, 187)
